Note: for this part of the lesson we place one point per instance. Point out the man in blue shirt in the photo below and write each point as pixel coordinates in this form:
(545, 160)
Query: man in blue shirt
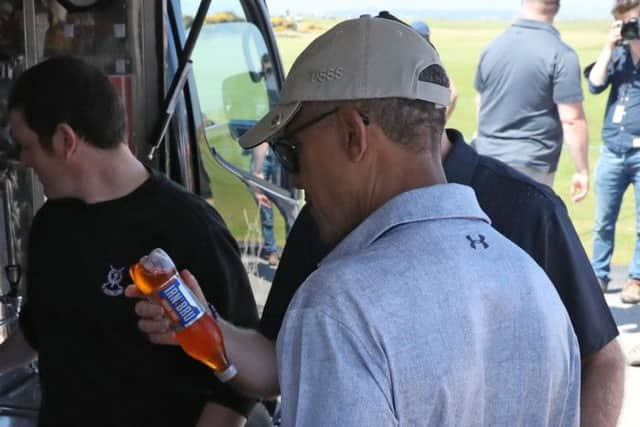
(374, 335)
(619, 162)
(530, 98)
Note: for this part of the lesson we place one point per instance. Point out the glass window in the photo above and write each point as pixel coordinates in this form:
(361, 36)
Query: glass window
(237, 86)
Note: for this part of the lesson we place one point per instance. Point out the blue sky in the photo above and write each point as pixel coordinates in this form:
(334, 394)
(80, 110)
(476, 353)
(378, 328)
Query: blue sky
(569, 8)
(598, 9)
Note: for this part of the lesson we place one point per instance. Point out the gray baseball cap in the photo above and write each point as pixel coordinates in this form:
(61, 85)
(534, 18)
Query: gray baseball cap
(364, 58)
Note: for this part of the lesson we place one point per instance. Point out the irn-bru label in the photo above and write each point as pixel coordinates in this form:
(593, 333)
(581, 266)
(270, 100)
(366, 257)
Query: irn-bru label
(180, 303)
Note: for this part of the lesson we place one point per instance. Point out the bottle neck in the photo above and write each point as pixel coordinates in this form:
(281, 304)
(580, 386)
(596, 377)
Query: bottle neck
(228, 374)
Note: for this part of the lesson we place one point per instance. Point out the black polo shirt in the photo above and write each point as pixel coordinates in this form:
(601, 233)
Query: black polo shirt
(528, 213)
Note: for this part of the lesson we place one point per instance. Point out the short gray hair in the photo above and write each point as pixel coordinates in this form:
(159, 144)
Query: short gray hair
(409, 122)
(405, 121)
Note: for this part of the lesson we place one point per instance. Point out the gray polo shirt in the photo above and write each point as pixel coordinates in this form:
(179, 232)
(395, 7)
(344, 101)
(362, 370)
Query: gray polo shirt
(521, 77)
(425, 315)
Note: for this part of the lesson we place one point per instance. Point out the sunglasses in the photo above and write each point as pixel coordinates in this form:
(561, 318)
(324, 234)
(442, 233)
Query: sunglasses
(287, 151)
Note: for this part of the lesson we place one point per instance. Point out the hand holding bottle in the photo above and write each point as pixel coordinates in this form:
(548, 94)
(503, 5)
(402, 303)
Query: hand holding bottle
(193, 324)
(153, 321)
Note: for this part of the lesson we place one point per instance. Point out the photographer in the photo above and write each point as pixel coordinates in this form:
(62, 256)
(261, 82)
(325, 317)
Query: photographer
(619, 161)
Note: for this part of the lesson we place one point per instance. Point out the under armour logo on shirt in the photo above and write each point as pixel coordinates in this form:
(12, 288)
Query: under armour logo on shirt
(479, 241)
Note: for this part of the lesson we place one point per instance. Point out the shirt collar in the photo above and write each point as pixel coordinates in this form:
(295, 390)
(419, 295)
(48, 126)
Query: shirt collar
(536, 25)
(460, 164)
(432, 203)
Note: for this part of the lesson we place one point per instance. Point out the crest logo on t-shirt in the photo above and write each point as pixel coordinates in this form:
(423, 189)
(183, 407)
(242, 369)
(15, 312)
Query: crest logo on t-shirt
(113, 287)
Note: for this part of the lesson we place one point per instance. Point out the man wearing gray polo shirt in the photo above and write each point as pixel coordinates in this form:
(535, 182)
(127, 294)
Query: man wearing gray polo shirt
(413, 318)
(530, 97)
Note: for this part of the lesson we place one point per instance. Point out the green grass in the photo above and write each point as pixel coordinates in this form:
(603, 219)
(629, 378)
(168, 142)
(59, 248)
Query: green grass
(460, 44)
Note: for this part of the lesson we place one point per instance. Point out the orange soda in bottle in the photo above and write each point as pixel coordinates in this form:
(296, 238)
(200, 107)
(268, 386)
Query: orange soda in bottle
(196, 330)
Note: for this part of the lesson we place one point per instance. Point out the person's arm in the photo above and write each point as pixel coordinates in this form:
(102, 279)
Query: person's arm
(478, 100)
(453, 99)
(479, 86)
(253, 355)
(602, 388)
(255, 358)
(574, 127)
(259, 155)
(215, 415)
(598, 77)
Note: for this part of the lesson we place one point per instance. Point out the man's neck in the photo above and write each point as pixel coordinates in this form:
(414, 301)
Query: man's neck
(404, 169)
(110, 175)
(534, 15)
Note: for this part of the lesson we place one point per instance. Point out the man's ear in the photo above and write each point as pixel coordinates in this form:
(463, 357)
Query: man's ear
(65, 140)
(354, 131)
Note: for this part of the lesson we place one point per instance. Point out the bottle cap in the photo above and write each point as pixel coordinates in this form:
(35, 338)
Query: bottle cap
(158, 261)
(227, 374)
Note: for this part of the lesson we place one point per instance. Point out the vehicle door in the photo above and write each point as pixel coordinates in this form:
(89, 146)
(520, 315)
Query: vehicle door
(236, 79)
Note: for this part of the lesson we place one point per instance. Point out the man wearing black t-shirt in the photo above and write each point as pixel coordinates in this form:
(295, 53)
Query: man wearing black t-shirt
(105, 210)
(528, 213)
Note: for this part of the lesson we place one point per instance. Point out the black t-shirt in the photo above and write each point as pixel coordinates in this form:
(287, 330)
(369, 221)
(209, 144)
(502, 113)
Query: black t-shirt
(96, 367)
(527, 213)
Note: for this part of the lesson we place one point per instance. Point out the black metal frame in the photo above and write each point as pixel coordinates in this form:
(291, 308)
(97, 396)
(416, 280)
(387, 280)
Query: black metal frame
(184, 68)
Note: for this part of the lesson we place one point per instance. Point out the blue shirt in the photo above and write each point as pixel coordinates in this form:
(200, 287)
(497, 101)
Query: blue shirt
(624, 79)
(415, 318)
(521, 77)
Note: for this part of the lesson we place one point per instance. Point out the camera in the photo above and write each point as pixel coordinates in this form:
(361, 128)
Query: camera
(630, 29)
